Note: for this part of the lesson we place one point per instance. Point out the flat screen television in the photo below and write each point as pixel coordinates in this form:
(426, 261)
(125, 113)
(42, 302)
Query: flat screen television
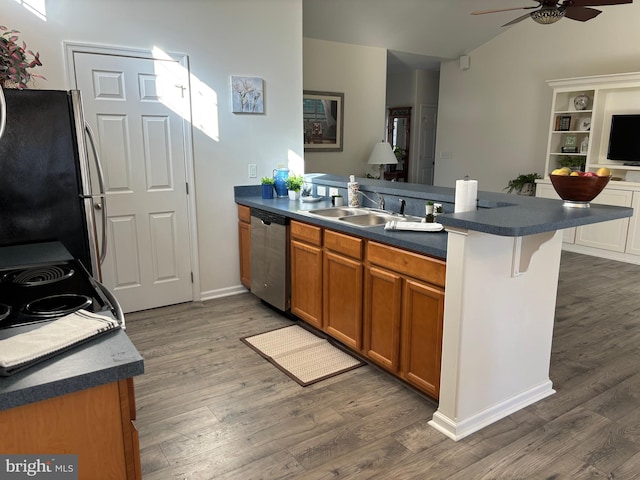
(624, 139)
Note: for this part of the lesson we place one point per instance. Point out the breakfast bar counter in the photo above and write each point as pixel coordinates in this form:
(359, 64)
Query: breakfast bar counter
(502, 266)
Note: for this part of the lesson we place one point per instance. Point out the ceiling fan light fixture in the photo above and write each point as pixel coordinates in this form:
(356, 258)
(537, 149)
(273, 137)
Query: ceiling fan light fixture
(547, 16)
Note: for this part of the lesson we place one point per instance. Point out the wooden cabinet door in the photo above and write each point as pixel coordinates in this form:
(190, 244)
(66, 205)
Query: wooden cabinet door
(611, 235)
(244, 244)
(306, 282)
(421, 343)
(96, 424)
(382, 307)
(244, 237)
(343, 289)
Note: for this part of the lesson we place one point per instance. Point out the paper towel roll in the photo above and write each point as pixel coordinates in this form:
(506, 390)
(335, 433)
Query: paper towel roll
(466, 195)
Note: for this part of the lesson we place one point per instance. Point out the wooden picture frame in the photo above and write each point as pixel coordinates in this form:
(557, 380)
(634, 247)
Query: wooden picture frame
(323, 119)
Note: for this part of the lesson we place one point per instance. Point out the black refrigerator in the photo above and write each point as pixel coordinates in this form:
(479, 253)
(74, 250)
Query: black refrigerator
(48, 168)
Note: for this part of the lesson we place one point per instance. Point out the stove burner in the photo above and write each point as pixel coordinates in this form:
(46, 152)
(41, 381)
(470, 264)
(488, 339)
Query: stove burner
(35, 276)
(5, 310)
(57, 305)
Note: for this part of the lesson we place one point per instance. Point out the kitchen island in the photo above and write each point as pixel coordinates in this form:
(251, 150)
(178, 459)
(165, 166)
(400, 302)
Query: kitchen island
(80, 402)
(502, 264)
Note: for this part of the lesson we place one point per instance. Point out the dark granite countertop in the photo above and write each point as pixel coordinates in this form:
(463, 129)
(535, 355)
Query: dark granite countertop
(105, 359)
(497, 214)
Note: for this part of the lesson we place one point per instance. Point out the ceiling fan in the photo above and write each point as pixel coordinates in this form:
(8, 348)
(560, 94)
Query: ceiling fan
(550, 11)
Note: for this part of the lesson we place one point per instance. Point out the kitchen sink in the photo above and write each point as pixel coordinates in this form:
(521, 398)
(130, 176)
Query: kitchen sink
(338, 211)
(360, 216)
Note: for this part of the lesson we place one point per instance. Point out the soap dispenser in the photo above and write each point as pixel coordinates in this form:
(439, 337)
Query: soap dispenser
(352, 192)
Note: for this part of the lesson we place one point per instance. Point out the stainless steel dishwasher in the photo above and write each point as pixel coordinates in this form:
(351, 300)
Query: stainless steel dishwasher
(270, 278)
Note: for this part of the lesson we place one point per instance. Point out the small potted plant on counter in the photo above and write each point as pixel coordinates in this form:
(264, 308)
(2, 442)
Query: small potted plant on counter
(294, 184)
(523, 184)
(267, 187)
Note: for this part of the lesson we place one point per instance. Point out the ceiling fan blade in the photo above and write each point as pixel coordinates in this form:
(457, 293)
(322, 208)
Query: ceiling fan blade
(582, 14)
(595, 3)
(519, 19)
(482, 12)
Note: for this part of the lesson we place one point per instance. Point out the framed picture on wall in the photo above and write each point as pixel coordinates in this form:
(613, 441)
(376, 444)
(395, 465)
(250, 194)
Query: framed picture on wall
(247, 94)
(323, 116)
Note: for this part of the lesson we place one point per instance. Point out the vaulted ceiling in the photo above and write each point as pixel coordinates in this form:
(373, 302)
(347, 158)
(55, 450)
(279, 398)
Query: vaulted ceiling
(418, 33)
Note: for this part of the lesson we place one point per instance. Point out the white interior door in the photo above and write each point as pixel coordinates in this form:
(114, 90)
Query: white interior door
(135, 107)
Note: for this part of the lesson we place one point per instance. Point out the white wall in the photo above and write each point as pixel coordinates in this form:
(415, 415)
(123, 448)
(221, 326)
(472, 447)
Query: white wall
(221, 38)
(401, 87)
(493, 118)
(360, 73)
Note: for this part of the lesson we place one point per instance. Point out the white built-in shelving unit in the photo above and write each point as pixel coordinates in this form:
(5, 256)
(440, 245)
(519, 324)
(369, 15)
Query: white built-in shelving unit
(588, 130)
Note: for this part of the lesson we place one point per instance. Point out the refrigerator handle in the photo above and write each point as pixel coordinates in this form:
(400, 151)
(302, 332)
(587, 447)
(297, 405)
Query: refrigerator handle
(3, 112)
(102, 193)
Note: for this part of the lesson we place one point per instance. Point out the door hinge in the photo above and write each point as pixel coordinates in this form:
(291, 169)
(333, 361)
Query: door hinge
(191, 277)
(187, 187)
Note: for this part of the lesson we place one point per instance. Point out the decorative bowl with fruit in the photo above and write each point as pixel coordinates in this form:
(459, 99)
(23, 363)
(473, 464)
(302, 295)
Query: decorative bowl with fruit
(577, 189)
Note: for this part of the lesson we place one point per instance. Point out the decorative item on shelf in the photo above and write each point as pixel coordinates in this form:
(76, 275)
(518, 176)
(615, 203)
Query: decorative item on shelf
(581, 102)
(570, 144)
(523, 184)
(14, 61)
(267, 187)
(584, 145)
(294, 184)
(382, 155)
(584, 124)
(563, 123)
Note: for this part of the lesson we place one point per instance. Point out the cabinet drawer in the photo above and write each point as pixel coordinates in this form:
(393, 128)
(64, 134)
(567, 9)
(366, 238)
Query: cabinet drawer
(307, 233)
(244, 213)
(430, 270)
(345, 244)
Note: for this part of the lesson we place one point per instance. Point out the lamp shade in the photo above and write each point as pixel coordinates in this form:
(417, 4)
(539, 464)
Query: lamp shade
(547, 16)
(382, 154)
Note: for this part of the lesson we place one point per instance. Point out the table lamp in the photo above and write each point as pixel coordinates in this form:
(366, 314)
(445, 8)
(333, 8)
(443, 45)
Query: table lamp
(382, 155)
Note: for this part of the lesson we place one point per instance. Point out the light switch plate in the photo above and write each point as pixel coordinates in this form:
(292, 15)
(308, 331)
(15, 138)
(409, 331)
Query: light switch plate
(322, 191)
(253, 170)
(333, 191)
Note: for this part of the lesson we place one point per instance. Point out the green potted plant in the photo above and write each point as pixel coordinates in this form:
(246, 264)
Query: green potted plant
(14, 63)
(294, 184)
(267, 187)
(523, 184)
(574, 162)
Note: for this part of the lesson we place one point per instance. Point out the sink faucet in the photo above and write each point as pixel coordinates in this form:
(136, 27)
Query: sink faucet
(402, 205)
(380, 201)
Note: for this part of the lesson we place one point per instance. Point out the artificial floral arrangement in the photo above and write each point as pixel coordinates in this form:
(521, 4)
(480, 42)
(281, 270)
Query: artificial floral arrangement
(14, 63)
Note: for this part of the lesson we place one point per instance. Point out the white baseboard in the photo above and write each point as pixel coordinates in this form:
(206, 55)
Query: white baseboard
(222, 292)
(599, 252)
(457, 430)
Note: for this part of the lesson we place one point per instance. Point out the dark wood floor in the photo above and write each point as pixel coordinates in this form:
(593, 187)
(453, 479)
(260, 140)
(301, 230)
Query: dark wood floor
(211, 408)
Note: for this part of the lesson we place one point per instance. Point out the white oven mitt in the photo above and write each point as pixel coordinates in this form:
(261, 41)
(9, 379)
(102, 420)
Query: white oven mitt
(53, 337)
